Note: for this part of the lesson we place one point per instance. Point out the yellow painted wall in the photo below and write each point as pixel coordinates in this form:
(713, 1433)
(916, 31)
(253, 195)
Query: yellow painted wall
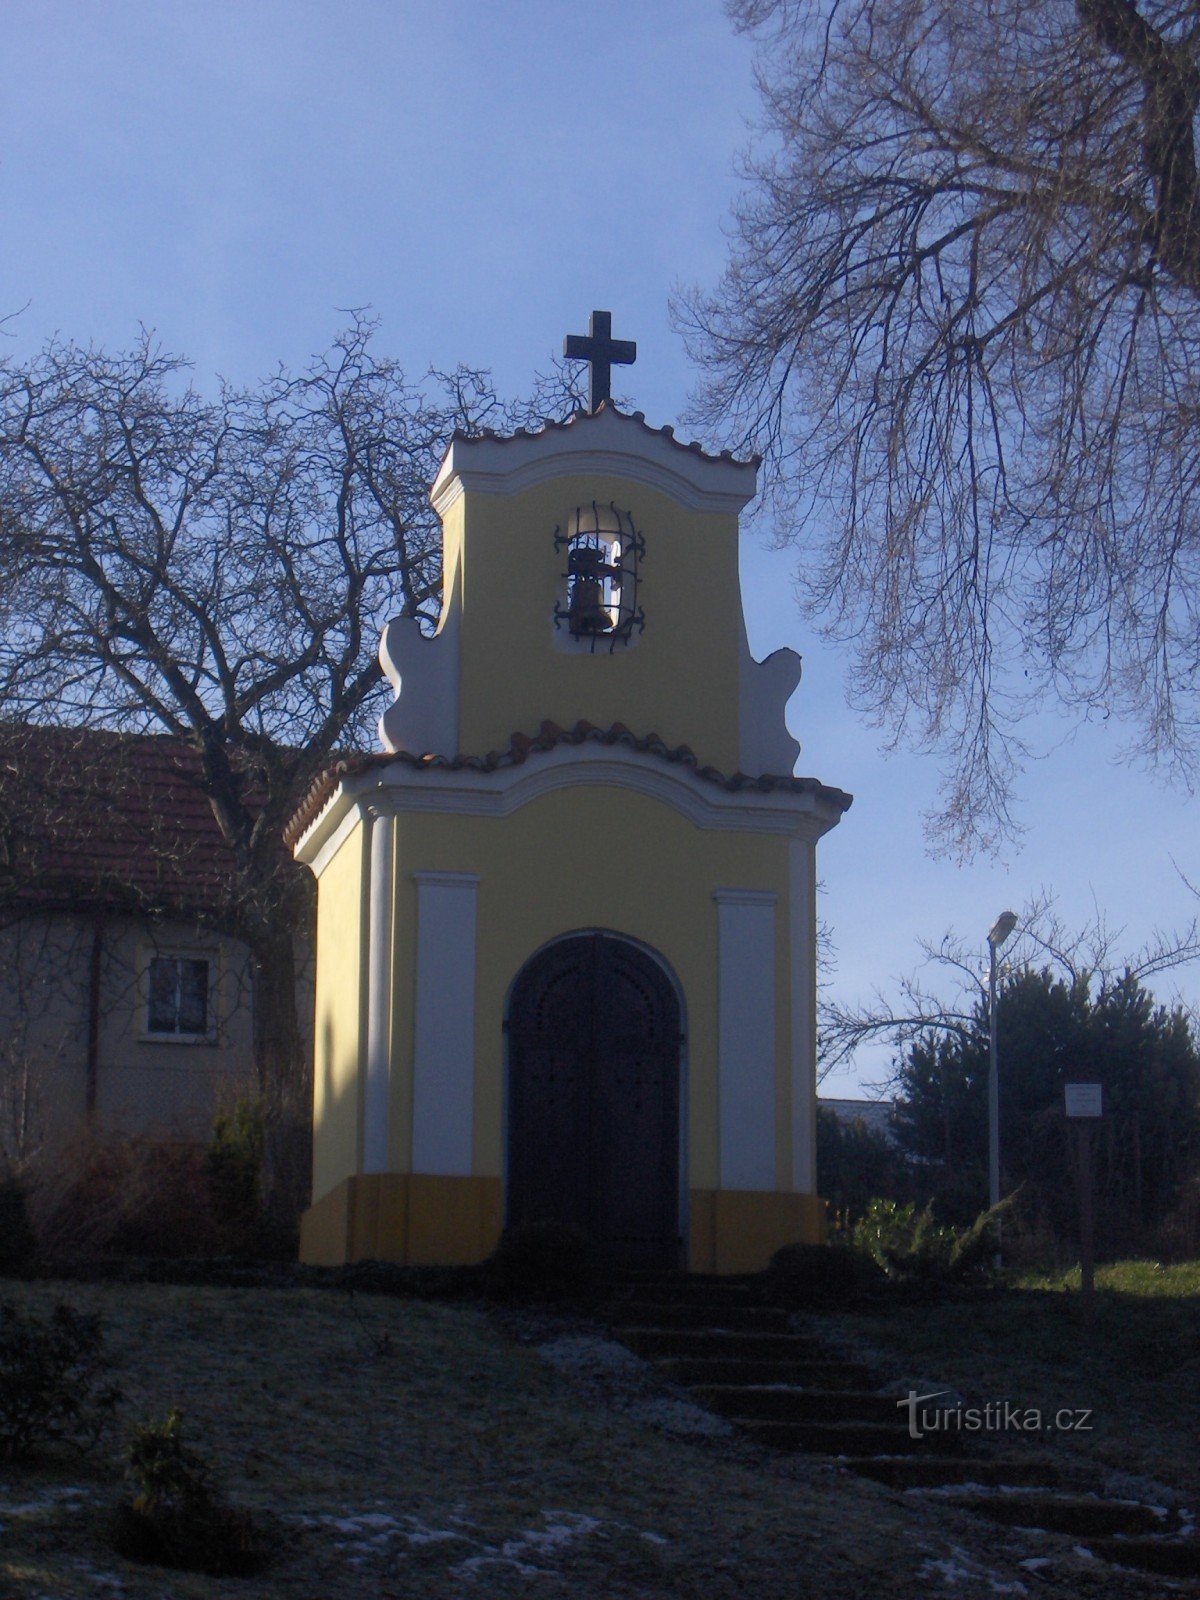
(340, 1019)
(678, 679)
(453, 562)
(591, 858)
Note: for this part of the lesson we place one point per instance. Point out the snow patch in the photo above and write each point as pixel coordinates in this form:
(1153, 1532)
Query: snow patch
(367, 1530)
(958, 1568)
(360, 1524)
(532, 1552)
(934, 1491)
(518, 1553)
(50, 1500)
(680, 1417)
(588, 1353)
(420, 1535)
(1147, 1491)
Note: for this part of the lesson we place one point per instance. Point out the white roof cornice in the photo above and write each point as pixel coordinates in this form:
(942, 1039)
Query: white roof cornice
(398, 787)
(607, 441)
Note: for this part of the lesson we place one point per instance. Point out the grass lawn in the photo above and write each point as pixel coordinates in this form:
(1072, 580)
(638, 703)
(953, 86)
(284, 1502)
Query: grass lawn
(1134, 1364)
(402, 1448)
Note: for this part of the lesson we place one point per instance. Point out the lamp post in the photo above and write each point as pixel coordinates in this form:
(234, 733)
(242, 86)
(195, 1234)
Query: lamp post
(1004, 925)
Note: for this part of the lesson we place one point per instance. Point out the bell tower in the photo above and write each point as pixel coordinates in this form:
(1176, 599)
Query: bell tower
(566, 916)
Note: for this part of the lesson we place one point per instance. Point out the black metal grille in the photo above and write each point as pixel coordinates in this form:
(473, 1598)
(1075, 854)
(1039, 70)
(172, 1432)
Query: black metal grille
(603, 576)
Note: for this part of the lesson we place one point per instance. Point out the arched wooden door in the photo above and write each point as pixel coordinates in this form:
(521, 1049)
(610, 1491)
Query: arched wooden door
(593, 1099)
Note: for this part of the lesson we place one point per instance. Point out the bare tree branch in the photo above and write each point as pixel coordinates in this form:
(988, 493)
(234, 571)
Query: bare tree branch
(960, 321)
(219, 570)
(945, 994)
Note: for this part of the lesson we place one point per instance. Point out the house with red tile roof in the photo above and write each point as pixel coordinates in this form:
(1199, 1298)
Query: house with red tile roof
(125, 1001)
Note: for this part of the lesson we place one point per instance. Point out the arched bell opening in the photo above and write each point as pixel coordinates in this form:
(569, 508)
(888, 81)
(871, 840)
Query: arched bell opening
(594, 1101)
(598, 602)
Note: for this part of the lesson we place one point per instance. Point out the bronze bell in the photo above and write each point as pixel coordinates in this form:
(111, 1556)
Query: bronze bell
(587, 612)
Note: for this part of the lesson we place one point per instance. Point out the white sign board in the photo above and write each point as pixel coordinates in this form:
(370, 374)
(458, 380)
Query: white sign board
(1084, 1099)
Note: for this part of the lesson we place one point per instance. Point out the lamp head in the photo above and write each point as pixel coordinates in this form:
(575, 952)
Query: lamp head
(1005, 923)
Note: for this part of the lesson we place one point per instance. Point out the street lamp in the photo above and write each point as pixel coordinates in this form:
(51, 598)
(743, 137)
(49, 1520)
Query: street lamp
(1005, 923)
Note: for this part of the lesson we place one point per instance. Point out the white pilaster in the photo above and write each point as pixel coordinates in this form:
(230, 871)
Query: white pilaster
(802, 961)
(746, 1037)
(444, 1032)
(377, 1086)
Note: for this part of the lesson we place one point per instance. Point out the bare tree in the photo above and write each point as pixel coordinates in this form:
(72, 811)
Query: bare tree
(1068, 1006)
(944, 995)
(961, 320)
(218, 569)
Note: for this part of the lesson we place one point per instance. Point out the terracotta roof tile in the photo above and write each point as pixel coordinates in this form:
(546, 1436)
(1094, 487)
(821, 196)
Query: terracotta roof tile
(91, 817)
(462, 436)
(522, 745)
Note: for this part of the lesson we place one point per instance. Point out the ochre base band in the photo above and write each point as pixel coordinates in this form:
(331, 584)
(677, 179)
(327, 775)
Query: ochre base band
(419, 1219)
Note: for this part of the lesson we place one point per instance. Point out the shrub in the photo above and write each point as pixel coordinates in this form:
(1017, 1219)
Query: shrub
(823, 1277)
(51, 1380)
(544, 1260)
(900, 1238)
(234, 1162)
(912, 1248)
(17, 1242)
(104, 1194)
(177, 1518)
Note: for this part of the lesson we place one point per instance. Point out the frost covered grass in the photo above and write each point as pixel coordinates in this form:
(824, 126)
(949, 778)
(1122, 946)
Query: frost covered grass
(400, 1448)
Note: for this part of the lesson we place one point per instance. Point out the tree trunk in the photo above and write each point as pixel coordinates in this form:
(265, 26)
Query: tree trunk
(278, 1047)
(92, 1060)
(281, 1057)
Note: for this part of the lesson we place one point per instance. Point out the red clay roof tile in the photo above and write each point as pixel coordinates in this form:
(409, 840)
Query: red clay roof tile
(667, 432)
(91, 817)
(522, 745)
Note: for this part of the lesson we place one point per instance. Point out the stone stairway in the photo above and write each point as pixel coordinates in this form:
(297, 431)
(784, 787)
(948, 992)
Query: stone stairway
(739, 1357)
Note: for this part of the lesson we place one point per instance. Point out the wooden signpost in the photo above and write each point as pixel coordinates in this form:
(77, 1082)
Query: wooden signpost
(1084, 1106)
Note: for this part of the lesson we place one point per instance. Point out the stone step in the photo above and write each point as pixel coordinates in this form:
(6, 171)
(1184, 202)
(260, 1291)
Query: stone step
(688, 1290)
(779, 1403)
(1173, 1558)
(785, 1391)
(928, 1471)
(816, 1374)
(1084, 1515)
(741, 1346)
(700, 1314)
(852, 1439)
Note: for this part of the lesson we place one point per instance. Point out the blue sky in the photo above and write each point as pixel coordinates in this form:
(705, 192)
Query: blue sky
(232, 172)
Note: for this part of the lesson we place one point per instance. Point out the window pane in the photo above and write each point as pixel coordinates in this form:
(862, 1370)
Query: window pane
(193, 996)
(177, 995)
(164, 983)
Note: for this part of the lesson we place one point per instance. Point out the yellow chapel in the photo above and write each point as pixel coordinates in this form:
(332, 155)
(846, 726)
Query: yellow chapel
(566, 963)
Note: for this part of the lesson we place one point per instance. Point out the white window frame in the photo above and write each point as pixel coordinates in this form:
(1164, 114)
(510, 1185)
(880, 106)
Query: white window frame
(210, 954)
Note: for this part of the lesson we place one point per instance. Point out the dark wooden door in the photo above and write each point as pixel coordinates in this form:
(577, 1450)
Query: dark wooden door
(593, 1100)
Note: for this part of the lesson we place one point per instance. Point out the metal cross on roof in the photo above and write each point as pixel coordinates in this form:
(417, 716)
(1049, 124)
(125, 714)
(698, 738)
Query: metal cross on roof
(603, 352)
